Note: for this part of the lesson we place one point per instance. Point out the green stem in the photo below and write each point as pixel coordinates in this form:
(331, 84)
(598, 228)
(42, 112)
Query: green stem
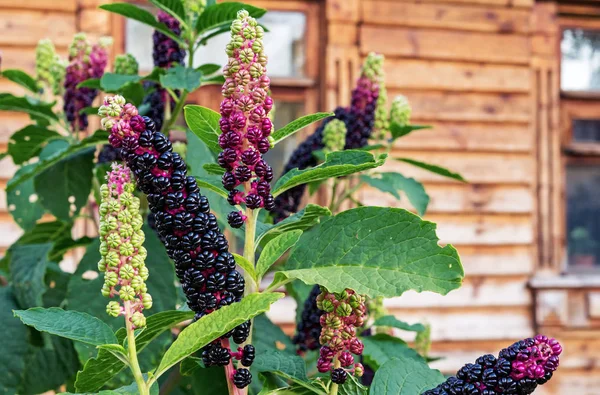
(347, 195)
(132, 351)
(333, 193)
(333, 390)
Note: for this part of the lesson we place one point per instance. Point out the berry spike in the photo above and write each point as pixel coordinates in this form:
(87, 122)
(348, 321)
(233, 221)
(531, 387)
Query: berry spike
(519, 369)
(244, 122)
(203, 263)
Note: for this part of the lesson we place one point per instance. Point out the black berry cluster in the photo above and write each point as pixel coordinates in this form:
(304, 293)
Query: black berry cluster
(309, 327)
(203, 264)
(518, 370)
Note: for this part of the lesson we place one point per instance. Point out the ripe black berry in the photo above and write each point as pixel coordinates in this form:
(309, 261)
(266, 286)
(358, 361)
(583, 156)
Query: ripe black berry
(248, 354)
(235, 219)
(339, 376)
(242, 377)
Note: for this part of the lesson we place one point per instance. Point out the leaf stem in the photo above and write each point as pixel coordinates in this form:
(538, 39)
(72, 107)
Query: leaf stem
(347, 195)
(333, 193)
(333, 390)
(132, 351)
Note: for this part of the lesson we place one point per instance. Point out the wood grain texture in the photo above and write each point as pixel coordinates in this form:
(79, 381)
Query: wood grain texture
(52, 5)
(27, 27)
(426, 44)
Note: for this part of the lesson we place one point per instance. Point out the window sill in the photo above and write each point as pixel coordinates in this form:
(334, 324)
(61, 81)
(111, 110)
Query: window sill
(566, 281)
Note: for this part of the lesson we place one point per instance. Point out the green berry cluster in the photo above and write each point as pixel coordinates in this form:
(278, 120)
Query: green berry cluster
(50, 69)
(334, 136)
(126, 64)
(123, 255)
(401, 111)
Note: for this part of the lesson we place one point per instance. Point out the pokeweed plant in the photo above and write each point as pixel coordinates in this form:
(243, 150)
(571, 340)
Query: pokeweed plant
(137, 343)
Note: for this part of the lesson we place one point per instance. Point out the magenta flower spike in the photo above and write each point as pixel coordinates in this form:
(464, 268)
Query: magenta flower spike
(245, 123)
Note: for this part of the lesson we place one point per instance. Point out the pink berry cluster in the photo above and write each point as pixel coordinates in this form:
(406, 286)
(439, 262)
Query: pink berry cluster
(534, 361)
(245, 123)
(343, 313)
(85, 61)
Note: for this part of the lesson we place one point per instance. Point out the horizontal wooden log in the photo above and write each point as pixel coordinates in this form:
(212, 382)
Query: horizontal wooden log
(456, 76)
(478, 107)
(475, 291)
(23, 58)
(20, 27)
(489, 3)
(469, 136)
(485, 260)
(485, 168)
(468, 198)
(94, 20)
(7, 168)
(451, 16)
(10, 122)
(52, 5)
(440, 44)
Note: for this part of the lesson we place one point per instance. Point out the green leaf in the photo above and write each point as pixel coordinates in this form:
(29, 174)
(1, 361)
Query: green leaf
(22, 78)
(100, 137)
(190, 365)
(393, 322)
(298, 124)
(442, 171)
(274, 250)
(302, 220)
(112, 82)
(268, 337)
(292, 366)
(214, 80)
(381, 348)
(352, 386)
(33, 107)
(337, 164)
(101, 369)
(214, 184)
(64, 188)
(72, 325)
(211, 326)
(221, 14)
(131, 389)
(173, 7)
(141, 15)
(375, 251)
(398, 130)
(23, 203)
(214, 169)
(208, 68)
(179, 77)
(204, 123)
(207, 381)
(28, 142)
(15, 348)
(63, 245)
(93, 83)
(392, 183)
(246, 265)
(198, 156)
(27, 269)
(405, 376)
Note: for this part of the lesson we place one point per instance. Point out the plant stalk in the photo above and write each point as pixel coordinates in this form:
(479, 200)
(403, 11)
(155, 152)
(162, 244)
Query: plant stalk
(229, 370)
(347, 195)
(333, 390)
(133, 359)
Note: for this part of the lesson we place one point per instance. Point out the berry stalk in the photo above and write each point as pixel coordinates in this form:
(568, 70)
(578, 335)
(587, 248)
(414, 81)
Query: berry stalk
(132, 352)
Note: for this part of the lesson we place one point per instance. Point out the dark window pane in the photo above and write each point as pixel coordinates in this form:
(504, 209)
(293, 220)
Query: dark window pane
(583, 217)
(580, 64)
(586, 131)
(285, 112)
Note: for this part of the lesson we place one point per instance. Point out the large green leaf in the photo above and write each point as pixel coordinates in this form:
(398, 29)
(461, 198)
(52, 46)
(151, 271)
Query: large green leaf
(297, 125)
(211, 326)
(141, 15)
(375, 251)
(27, 268)
(393, 183)
(35, 108)
(99, 137)
(213, 184)
(442, 171)
(393, 322)
(381, 348)
(404, 376)
(15, 346)
(213, 169)
(112, 82)
(179, 77)
(64, 188)
(131, 389)
(208, 68)
(337, 164)
(398, 130)
(23, 203)
(352, 386)
(275, 249)
(292, 367)
(97, 371)
(26, 143)
(73, 325)
(204, 123)
(222, 14)
(22, 78)
(268, 337)
(302, 220)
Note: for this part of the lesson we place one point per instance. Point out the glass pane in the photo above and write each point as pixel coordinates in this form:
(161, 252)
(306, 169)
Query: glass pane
(580, 65)
(586, 130)
(138, 42)
(284, 44)
(583, 217)
(285, 112)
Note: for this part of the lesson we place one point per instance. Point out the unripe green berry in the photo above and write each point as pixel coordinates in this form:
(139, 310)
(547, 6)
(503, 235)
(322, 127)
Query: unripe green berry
(343, 309)
(137, 261)
(137, 283)
(111, 279)
(126, 249)
(104, 192)
(137, 239)
(113, 240)
(124, 216)
(105, 290)
(126, 293)
(126, 199)
(102, 265)
(113, 206)
(331, 321)
(143, 272)
(143, 252)
(327, 306)
(138, 320)
(147, 301)
(137, 222)
(112, 259)
(126, 230)
(113, 309)
(127, 272)
(112, 223)
(103, 248)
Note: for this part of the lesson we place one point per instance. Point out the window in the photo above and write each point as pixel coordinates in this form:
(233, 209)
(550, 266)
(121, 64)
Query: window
(580, 66)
